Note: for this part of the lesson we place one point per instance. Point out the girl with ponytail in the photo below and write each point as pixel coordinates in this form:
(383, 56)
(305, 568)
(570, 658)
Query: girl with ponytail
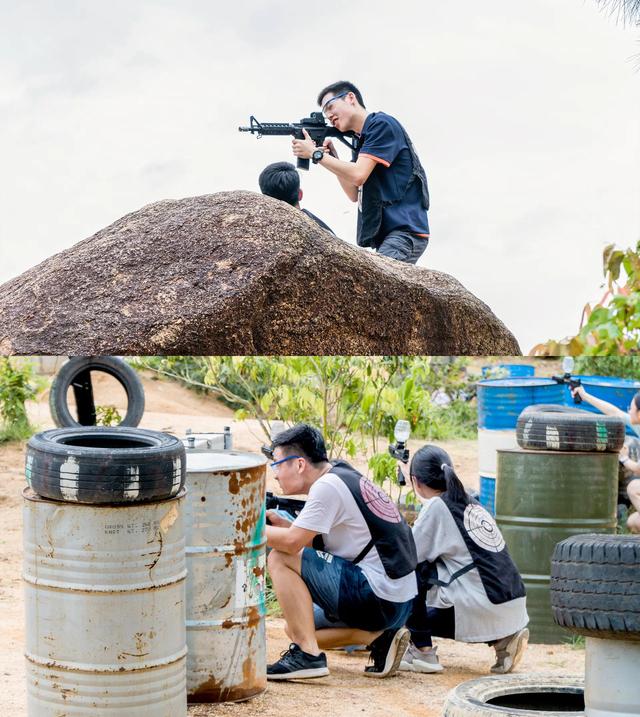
(469, 588)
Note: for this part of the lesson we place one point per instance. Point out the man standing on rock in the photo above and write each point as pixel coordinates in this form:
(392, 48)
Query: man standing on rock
(281, 180)
(386, 176)
(362, 577)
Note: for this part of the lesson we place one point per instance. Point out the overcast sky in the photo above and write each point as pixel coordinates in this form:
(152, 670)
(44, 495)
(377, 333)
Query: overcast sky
(525, 115)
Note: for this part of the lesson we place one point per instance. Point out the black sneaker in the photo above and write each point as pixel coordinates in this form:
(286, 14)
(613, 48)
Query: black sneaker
(386, 652)
(294, 664)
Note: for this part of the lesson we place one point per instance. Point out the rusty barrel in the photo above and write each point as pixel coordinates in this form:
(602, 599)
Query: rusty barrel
(225, 535)
(105, 608)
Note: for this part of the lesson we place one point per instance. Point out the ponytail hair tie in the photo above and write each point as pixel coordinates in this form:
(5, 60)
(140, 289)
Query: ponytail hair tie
(442, 466)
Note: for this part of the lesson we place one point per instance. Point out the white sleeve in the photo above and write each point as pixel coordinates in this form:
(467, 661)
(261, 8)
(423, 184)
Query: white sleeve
(433, 532)
(321, 510)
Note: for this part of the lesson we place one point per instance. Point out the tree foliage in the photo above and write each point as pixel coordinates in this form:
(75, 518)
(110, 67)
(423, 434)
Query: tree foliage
(354, 400)
(611, 326)
(17, 386)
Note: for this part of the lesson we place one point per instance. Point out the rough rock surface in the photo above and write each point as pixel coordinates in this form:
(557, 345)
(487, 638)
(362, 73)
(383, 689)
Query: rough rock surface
(237, 273)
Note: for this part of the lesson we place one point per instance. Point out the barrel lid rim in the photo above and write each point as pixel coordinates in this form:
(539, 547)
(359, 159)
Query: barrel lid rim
(29, 494)
(256, 458)
(515, 381)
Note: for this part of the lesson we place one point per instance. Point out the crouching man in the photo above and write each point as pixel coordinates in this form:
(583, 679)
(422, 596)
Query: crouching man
(362, 577)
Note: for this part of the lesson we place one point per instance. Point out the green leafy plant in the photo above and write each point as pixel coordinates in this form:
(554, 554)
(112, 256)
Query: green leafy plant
(107, 416)
(17, 386)
(354, 400)
(620, 366)
(610, 326)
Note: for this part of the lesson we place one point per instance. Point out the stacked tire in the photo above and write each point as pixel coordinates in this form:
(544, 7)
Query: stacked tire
(99, 465)
(560, 428)
(595, 592)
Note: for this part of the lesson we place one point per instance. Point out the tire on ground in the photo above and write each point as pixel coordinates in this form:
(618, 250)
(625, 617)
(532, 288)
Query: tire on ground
(560, 428)
(595, 585)
(105, 465)
(111, 365)
(522, 695)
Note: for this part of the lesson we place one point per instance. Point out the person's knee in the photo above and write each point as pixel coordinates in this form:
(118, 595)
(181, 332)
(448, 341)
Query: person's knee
(633, 490)
(396, 246)
(275, 561)
(633, 522)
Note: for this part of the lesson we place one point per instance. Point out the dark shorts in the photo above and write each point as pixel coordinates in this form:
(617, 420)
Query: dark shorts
(342, 591)
(403, 246)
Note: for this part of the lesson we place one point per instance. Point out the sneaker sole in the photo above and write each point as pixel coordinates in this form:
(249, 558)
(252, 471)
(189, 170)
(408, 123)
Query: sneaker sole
(423, 667)
(426, 667)
(301, 674)
(522, 640)
(394, 656)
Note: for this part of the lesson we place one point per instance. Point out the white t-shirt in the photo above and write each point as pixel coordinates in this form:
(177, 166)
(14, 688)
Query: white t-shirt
(332, 510)
(477, 618)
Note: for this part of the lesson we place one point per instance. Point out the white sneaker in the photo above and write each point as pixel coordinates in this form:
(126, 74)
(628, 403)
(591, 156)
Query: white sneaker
(415, 660)
(509, 651)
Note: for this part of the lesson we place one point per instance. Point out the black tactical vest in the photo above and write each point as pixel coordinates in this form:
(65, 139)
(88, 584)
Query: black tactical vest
(498, 573)
(370, 216)
(390, 533)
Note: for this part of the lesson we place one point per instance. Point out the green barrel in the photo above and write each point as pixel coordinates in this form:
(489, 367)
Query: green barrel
(543, 497)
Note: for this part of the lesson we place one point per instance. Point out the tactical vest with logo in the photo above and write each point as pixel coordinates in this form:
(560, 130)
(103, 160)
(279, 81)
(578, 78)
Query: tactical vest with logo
(390, 534)
(498, 573)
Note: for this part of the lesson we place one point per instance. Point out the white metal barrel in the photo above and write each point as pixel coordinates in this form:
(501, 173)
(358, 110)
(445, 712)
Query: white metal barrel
(225, 520)
(105, 608)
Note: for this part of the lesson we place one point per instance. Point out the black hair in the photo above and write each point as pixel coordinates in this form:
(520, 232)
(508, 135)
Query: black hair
(338, 88)
(432, 466)
(280, 180)
(636, 400)
(304, 440)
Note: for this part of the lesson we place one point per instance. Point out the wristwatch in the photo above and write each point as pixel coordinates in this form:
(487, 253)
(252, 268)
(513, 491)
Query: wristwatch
(317, 155)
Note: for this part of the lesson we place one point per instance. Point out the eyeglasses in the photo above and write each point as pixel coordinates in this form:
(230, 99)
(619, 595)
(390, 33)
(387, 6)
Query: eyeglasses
(274, 466)
(328, 103)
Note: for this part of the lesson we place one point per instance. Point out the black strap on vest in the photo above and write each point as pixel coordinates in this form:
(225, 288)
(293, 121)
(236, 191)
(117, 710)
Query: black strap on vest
(361, 555)
(455, 576)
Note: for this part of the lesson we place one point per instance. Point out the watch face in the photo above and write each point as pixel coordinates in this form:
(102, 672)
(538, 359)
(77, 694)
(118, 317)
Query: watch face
(317, 155)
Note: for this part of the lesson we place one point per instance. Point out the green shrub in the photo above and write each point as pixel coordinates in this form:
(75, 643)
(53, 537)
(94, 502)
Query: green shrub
(17, 386)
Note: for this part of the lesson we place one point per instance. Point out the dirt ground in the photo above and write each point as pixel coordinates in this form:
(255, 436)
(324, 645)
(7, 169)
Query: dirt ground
(345, 691)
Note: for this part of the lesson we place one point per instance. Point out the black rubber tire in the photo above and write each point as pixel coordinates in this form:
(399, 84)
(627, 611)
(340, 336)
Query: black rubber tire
(595, 585)
(105, 465)
(74, 373)
(539, 695)
(560, 428)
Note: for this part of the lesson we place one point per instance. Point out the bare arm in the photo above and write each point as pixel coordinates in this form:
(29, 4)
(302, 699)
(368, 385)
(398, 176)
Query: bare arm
(632, 466)
(351, 175)
(603, 406)
(289, 540)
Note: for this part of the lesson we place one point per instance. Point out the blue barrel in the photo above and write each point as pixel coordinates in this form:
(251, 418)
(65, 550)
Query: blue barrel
(488, 493)
(618, 391)
(509, 370)
(500, 402)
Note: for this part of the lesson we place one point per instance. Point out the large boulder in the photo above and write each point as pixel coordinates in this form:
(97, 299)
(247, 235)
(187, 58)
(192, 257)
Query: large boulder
(237, 273)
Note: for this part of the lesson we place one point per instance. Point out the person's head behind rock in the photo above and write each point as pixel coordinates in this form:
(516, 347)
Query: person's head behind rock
(281, 180)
